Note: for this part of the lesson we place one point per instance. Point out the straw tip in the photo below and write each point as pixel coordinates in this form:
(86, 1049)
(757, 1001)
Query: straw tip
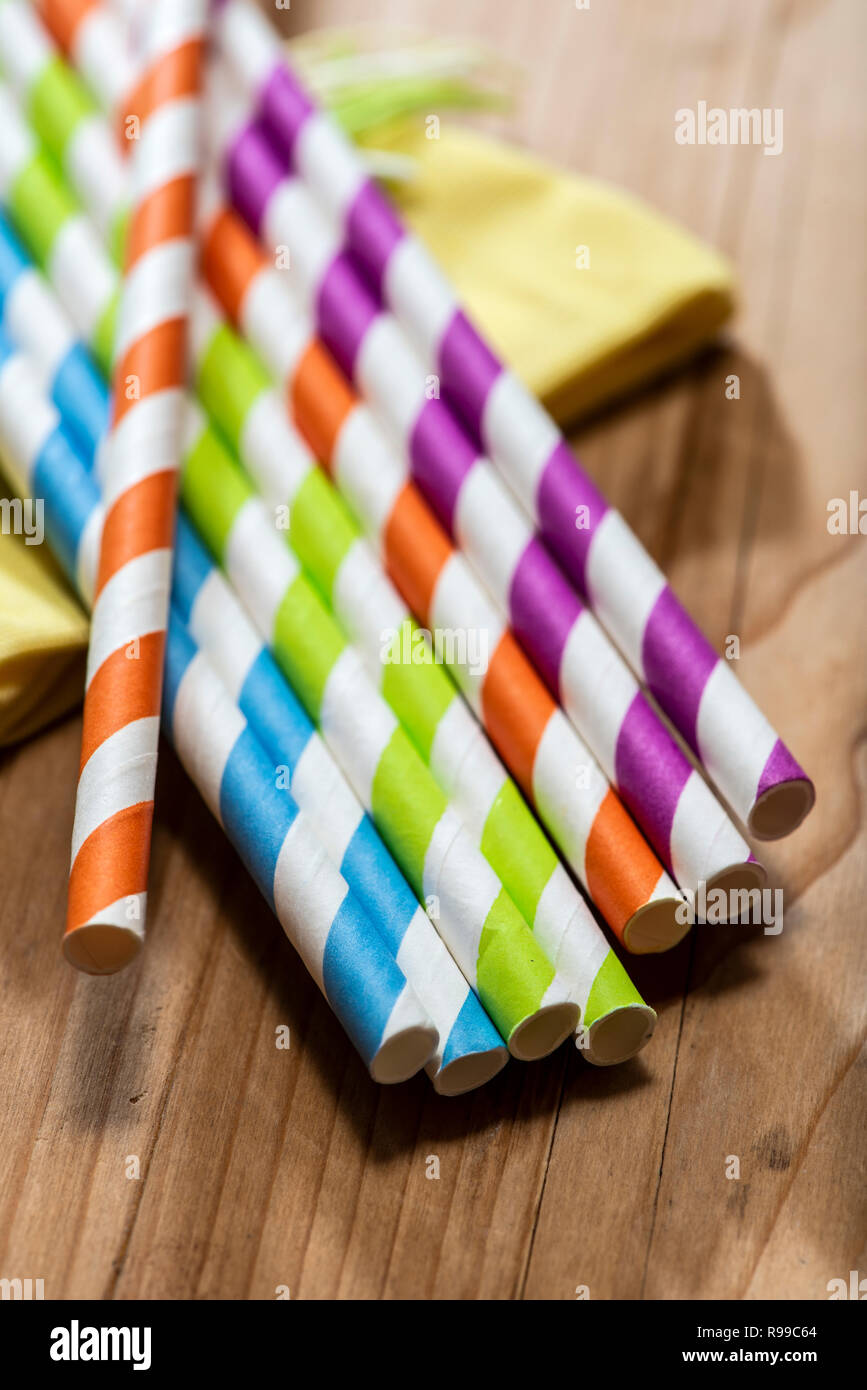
(619, 1035)
(780, 809)
(101, 948)
(544, 1031)
(467, 1073)
(738, 883)
(404, 1054)
(657, 926)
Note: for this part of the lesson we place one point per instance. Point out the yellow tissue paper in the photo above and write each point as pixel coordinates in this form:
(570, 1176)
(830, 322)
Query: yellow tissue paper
(43, 640)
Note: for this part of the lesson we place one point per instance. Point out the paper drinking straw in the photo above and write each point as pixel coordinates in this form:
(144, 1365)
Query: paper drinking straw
(109, 872)
(477, 919)
(64, 115)
(743, 754)
(66, 243)
(323, 919)
(554, 768)
(108, 877)
(331, 931)
(233, 386)
(469, 1051)
(684, 822)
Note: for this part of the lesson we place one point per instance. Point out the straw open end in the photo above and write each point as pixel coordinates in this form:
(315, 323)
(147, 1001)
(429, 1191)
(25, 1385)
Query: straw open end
(544, 1031)
(619, 1035)
(655, 927)
(738, 883)
(466, 1073)
(780, 809)
(403, 1055)
(101, 948)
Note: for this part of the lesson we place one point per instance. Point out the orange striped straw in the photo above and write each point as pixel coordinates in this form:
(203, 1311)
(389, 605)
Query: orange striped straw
(114, 805)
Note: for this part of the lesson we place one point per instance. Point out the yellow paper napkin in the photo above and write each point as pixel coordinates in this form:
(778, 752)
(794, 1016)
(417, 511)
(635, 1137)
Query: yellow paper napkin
(43, 640)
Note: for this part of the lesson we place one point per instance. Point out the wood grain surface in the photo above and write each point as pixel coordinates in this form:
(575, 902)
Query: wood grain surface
(260, 1168)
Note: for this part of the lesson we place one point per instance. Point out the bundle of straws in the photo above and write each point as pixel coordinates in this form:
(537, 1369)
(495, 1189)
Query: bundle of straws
(335, 550)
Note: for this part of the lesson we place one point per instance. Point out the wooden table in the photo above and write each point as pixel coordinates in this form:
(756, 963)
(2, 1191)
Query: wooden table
(156, 1143)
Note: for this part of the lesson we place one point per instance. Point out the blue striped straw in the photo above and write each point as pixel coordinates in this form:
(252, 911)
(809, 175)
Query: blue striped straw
(320, 914)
